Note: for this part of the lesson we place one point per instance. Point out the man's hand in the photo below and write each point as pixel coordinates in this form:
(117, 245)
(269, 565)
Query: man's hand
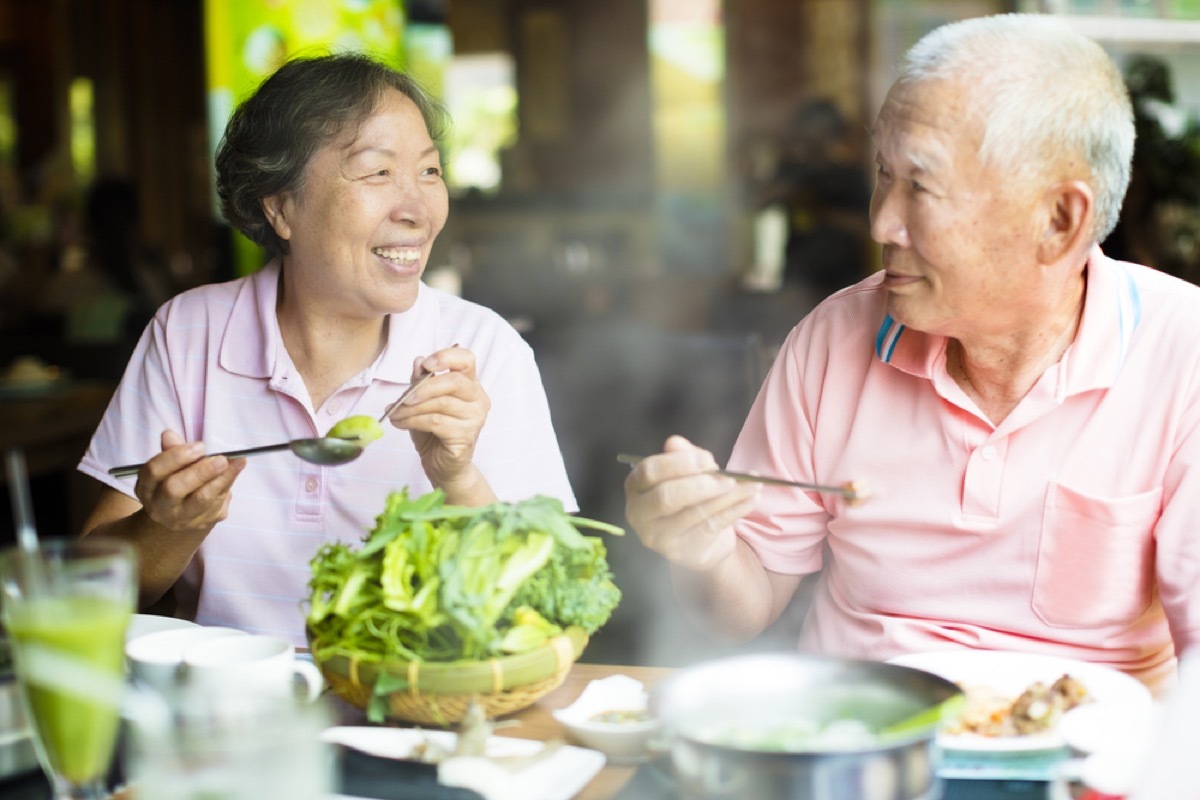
(681, 510)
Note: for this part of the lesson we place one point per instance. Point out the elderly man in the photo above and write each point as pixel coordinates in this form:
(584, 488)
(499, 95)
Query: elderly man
(1024, 410)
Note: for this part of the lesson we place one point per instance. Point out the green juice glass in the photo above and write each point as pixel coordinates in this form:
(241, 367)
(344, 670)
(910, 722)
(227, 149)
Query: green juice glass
(66, 606)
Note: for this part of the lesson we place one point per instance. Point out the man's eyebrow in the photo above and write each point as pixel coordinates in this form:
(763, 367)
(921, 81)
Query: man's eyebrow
(924, 162)
(927, 161)
(921, 164)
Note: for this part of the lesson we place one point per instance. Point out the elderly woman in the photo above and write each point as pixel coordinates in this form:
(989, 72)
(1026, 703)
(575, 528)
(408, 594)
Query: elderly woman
(332, 167)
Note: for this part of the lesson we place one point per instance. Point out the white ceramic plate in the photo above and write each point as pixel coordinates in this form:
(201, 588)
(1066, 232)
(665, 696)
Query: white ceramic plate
(1103, 727)
(561, 775)
(1011, 673)
(141, 624)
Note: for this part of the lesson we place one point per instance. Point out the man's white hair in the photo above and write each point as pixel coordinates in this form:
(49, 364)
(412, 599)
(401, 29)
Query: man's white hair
(1043, 92)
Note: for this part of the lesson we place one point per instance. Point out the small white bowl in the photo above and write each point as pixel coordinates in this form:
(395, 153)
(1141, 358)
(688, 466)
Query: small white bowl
(144, 624)
(627, 741)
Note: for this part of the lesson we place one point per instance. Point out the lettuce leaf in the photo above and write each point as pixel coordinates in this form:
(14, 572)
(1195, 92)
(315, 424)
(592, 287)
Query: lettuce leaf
(432, 582)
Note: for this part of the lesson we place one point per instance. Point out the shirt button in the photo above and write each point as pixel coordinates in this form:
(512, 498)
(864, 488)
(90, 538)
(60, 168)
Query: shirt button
(987, 453)
(333, 409)
(310, 485)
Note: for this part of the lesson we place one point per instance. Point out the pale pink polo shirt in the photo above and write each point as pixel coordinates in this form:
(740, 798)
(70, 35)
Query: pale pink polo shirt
(212, 366)
(1071, 529)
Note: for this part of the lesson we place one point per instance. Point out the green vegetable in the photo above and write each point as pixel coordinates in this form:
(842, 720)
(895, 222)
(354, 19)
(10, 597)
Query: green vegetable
(360, 426)
(433, 582)
(574, 588)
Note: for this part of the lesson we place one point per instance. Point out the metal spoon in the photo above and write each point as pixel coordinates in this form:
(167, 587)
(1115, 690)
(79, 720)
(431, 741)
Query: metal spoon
(407, 393)
(855, 492)
(326, 451)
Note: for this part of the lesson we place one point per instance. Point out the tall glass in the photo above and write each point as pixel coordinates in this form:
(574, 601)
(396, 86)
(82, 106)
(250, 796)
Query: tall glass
(66, 606)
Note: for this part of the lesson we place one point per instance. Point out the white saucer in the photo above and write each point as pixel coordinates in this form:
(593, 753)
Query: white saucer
(141, 624)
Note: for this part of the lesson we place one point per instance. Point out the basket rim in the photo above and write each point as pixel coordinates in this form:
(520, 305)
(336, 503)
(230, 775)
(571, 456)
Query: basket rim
(494, 674)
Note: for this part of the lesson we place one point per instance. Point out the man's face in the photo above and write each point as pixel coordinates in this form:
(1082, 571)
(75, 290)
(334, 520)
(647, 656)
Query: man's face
(958, 237)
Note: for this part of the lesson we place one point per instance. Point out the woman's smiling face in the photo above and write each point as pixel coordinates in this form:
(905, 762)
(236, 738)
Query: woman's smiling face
(360, 229)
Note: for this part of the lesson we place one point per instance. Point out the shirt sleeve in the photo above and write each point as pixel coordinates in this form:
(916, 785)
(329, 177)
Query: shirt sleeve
(788, 527)
(518, 450)
(144, 404)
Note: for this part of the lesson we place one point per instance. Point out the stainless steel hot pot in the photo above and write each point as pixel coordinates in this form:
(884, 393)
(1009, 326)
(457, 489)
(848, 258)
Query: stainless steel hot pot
(766, 691)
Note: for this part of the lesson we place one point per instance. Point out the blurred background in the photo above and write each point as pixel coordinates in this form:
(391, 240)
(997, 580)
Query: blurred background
(652, 191)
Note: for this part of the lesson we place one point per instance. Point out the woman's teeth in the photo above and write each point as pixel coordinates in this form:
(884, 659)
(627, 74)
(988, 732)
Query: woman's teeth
(400, 255)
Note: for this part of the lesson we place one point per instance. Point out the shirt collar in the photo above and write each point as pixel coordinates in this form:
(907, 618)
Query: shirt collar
(252, 321)
(1111, 313)
(251, 344)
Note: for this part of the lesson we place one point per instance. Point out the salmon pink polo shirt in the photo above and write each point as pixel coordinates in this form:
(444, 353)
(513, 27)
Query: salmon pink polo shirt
(1072, 528)
(212, 366)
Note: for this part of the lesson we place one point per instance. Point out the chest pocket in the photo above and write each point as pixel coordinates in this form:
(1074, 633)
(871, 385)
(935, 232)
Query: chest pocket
(1095, 562)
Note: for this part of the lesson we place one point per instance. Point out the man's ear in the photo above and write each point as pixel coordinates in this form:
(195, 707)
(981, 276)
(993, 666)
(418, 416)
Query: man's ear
(275, 208)
(1068, 213)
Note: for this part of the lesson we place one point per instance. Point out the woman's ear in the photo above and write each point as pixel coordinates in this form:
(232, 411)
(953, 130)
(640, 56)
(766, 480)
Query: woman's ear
(275, 208)
(1069, 210)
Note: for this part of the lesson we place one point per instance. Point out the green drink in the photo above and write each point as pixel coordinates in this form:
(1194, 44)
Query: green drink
(68, 649)
(66, 605)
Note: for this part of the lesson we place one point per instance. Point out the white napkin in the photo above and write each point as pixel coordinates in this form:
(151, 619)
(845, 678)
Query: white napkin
(616, 692)
(559, 775)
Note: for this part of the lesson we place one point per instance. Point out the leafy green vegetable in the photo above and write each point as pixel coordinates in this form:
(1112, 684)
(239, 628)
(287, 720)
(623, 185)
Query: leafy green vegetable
(574, 588)
(433, 582)
(360, 426)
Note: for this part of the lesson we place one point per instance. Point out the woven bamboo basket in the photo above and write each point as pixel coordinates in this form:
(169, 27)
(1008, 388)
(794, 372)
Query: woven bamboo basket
(438, 693)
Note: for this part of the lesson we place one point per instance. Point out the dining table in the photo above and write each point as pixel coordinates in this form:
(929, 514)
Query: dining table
(644, 781)
(537, 721)
(51, 426)
(652, 780)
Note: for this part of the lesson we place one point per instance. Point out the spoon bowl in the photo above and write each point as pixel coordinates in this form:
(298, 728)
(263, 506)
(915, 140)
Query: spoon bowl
(327, 451)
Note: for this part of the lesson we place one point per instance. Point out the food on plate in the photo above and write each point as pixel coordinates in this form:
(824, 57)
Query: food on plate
(988, 712)
(856, 492)
(470, 740)
(433, 582)
(621, 716)
(360, 426)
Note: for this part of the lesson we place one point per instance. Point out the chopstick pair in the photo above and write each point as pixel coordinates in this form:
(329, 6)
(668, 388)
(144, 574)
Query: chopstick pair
(853, 491)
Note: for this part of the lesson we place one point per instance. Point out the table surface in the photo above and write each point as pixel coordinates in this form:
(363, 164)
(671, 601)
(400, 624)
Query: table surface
(537, 722)
(61, 412)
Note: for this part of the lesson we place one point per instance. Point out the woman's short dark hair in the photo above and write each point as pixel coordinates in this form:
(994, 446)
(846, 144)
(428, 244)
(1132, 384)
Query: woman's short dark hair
(307, 103)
